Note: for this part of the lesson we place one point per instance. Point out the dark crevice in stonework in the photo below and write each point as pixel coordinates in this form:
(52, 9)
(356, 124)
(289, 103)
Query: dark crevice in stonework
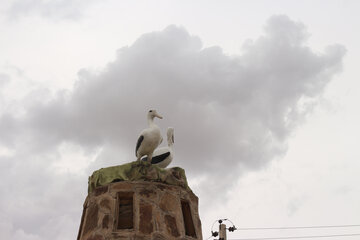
(188, 221)
(125, 213)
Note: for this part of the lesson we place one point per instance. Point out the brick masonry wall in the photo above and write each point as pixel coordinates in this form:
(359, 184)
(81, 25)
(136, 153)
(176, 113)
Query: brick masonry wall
(157, 212)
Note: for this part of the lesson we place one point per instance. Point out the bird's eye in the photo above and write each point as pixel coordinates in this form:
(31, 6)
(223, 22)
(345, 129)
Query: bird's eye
(150, 111)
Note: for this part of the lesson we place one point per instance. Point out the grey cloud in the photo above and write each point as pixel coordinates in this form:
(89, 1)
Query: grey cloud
(237, 110)
(37, 202)
(57, 10)
(231, 114)
(4, 79)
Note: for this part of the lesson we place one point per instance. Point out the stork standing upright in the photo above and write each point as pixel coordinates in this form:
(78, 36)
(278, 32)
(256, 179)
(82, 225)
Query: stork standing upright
(149, 138)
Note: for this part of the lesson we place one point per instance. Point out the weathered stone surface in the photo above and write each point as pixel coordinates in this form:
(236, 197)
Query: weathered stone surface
(146, 225)
(156, 212)
(164, 187)
(169, 203)
(100, 190)
(106, 221)
(193, 198)
(171, 226)
(146, 193)
(119, 236)
(121, 186)
(138, 237)
(105, 205)
(158, 221)
(158, 236)
(96, 237)
(91, 220)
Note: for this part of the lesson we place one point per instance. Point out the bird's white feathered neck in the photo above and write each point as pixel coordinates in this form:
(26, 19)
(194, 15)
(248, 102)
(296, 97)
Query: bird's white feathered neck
(150, 120)
(170, 137)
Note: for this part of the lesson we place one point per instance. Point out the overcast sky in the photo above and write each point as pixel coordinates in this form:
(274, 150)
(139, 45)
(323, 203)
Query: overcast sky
(263, 97)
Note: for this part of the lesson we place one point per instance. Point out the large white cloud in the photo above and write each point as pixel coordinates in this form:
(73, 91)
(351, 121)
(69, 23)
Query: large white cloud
(228, 109)
(230, 113)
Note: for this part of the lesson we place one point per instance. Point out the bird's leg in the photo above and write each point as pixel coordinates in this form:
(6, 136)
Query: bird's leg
(149, 158)
(139, 162)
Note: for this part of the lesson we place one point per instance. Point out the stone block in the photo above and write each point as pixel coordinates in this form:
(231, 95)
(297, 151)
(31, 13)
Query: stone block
(91, 220)
(169, 203)
(96, 237)
(171, 226)
(146, 225)
(100, 190)
(158, 236)
(105, 205)
(123, 186)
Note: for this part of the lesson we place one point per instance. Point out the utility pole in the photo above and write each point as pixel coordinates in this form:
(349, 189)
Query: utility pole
(222, 231)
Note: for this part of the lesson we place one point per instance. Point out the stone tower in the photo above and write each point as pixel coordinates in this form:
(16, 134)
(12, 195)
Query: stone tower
(139, 202)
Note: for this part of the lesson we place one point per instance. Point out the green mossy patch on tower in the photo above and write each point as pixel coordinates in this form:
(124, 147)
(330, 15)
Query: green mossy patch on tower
(137, 171)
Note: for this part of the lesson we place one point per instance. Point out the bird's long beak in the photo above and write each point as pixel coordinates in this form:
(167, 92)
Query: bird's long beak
(157, 115)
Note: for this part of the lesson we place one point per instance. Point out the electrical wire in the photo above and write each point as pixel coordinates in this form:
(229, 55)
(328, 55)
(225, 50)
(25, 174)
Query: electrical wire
(298, 237)
(298, 227)
(291, 227)
(230, 221)
(212, 226)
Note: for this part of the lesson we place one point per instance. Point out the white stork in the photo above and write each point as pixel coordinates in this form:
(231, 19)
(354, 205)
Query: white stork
(162, 157)
(150, 138)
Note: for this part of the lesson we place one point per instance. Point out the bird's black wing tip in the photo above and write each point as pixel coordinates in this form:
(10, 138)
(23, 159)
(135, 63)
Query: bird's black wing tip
(139, 141)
